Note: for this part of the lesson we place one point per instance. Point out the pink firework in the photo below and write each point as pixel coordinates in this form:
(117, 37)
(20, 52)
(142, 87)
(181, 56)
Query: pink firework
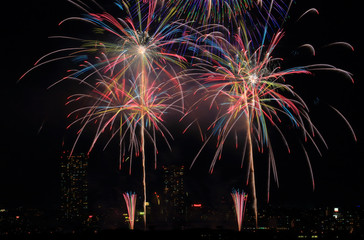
(239, 203)
(130, 200)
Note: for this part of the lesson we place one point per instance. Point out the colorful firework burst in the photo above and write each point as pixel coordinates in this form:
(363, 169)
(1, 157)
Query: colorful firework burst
(130, 200)
(250, 90)
(240, 199)
(130, 75)
(219, 11)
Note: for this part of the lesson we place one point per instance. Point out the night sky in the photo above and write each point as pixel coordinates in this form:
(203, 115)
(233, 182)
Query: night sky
(34, 118)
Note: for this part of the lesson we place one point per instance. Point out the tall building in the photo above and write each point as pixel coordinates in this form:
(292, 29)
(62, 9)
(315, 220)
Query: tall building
(74, 187)
(174, 200)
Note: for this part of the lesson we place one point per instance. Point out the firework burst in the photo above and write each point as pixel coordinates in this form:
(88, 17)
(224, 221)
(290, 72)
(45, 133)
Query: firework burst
(240, 199)
(253, 17)
(220, 11)
(250, 90)
(126, 110)
(130, 201)
(118, 106)
(130, 75)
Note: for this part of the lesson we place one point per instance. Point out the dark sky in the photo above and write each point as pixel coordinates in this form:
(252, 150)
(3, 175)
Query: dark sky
(34, 118)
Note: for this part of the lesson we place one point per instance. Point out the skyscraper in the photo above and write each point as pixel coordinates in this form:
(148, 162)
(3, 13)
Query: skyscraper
(174, 194)
(74, 186)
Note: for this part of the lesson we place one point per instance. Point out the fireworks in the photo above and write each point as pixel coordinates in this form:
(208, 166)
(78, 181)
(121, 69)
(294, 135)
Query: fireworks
(118, 106)
(251, 86)
(131, 79)
(133, 74)
(130, 200)
(240, 200)
(250, 91)
(226, 11)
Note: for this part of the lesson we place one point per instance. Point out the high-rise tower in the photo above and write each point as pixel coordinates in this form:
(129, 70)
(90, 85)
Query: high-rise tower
(74, 186)
(174, 194)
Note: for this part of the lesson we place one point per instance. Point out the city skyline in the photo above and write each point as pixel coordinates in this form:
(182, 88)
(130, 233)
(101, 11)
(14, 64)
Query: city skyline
(319, 221)
(172, 208)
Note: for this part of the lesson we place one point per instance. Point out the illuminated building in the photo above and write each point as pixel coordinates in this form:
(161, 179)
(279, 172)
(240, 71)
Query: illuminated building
(174, 194)
(74, 186)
